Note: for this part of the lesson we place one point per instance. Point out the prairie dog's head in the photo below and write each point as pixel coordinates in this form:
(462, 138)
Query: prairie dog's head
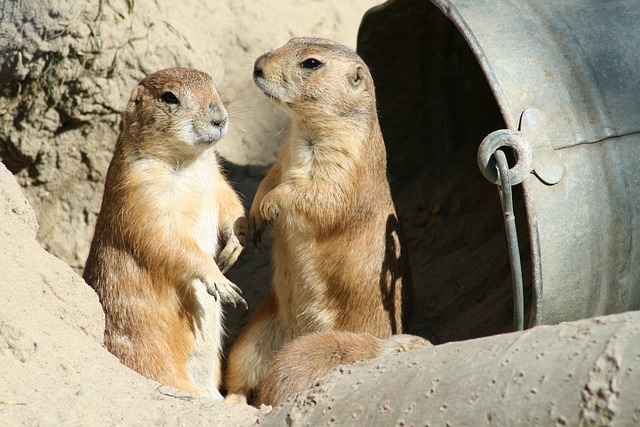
(175, 112)
(316, 75)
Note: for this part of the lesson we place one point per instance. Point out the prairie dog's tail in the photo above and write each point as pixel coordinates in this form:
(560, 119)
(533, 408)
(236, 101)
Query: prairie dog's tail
(307, 359)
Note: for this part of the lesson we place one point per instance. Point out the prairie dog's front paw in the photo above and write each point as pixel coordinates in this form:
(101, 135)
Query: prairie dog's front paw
(270, 208)
(223, 288)
(229, 254)
(234, 240)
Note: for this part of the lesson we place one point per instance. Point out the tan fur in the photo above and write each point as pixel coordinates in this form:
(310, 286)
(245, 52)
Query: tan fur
(166, 211)
(305, 360)
(337, 259)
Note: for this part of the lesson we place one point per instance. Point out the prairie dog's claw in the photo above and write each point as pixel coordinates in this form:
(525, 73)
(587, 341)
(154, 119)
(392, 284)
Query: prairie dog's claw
(229, 254)
(227, 291)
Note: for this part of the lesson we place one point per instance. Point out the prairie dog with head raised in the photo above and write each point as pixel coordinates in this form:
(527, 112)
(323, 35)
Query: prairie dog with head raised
(168, 214)
(337, 257)
(305, 360)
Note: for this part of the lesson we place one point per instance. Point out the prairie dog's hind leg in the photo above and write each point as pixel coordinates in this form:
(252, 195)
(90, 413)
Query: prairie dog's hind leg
(250, 355)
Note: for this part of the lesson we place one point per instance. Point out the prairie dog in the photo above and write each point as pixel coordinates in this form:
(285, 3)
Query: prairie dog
(336, 254)
(167, 211)
(305, 360)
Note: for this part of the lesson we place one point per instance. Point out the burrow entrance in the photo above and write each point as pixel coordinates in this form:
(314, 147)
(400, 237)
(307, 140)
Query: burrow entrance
(435, 107)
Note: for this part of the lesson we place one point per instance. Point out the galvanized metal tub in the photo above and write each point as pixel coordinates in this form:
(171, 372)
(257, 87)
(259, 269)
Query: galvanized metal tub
(565, 79)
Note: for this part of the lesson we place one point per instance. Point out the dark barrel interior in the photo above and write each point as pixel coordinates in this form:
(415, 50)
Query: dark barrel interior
(435, 107)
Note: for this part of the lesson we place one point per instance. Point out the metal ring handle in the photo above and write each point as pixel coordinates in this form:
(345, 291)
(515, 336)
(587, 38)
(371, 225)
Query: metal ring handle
(505, 138)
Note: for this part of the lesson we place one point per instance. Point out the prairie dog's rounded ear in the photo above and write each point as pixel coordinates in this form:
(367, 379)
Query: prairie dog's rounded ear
(136, 94)
(134, 99)
(131, 110)
(357, 76)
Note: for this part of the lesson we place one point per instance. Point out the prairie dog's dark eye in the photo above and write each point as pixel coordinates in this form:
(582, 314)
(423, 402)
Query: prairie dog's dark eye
(311, 63)
(170, 98)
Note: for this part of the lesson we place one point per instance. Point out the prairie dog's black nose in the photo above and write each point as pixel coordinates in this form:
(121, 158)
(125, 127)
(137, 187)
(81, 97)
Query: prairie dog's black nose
(221, 122)
(259, 65)
(219, 115)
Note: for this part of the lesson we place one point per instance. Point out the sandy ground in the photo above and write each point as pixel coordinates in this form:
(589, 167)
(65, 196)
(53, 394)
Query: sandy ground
(54, 368)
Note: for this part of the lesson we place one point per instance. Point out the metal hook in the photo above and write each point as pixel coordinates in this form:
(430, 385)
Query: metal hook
(505, 138)
(494, 166)
(512, 238)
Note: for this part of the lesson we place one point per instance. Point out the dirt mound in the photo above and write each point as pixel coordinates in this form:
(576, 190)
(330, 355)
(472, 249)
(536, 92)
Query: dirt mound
(55, 369)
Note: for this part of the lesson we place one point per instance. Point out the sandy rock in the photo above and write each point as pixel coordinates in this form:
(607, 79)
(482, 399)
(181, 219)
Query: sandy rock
(581, 373)
(54, 368)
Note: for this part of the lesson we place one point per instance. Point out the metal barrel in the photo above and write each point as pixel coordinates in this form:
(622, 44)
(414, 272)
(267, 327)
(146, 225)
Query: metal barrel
(565, 79)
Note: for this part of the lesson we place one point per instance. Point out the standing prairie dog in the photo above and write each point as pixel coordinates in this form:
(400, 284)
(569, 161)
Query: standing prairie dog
(336, 248)
(305, 360)
(166, 211)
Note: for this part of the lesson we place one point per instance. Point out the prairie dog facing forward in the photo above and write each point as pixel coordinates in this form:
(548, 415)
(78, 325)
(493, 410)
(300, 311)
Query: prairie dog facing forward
(304, 361)
(167, 215)
(337, 258)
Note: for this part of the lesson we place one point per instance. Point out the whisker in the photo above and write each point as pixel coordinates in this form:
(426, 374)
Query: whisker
(241, 95)
(244, 106)
(243, 130)
(281, 130)
(248, 119)
(244, 117)
(216, 71)
(237, 109)
(293, 25)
